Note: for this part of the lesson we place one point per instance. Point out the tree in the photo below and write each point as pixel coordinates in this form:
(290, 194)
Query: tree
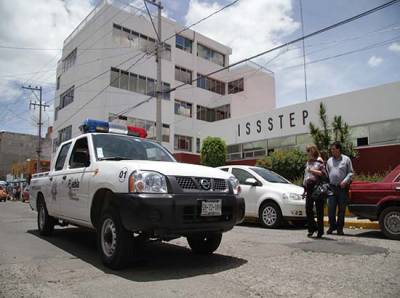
(213, 152)
(324, 137)
(287, 163)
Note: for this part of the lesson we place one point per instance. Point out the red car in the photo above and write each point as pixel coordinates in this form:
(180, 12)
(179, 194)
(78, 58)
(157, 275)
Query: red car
(379, 201)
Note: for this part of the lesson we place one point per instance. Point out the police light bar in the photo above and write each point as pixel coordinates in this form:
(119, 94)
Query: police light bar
(90, 125)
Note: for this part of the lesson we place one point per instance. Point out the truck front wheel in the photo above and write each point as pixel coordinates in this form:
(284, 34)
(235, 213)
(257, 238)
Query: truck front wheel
(44, 220)
(389, 221)
(114, 241)
(204, 243)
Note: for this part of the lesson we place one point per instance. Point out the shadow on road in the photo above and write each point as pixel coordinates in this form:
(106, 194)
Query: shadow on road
(159, 261)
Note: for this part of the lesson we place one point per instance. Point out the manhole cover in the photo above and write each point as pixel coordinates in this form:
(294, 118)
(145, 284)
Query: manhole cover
(340, 248)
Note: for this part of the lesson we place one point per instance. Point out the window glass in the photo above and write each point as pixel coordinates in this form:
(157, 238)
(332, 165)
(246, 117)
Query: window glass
(111, 147)
(224, 169)
(198, 145)
(235, 86)
(123, 80)
(211, 55)
(151, 87)
(133, 82)
(210, 84)
(80, 154)
(114, 80)
(269, 176)
(183, 108)
(241, 175)
(183, 43)
(125, 42)
(142, 85)
(61, 157)
(183, 143)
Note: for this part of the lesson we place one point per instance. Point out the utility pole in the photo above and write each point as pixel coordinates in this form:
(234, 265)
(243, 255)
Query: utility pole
(40, 105)
(159, 48)
(304, 51)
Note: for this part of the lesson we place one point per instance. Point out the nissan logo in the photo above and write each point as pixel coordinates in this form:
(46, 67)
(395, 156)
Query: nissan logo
(205, 184)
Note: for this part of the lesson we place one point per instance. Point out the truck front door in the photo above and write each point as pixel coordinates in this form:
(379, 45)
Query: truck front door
(75, 201)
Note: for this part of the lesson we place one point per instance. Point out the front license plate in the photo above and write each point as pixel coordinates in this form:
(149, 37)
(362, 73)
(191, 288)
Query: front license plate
(211, 208)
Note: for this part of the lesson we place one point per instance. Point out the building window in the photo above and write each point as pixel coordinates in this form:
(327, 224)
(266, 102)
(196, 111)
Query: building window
(64, 134)
(183, 108)
(58, 83)
(216, 114)
(183, 75)
(69, 61)
(211, 55)
(235, 86)
(210, 84)
(198, 145)
(183, 43)
(166, 53)
(137, 83)
(66, 98)
(362, 141)
(183, 143)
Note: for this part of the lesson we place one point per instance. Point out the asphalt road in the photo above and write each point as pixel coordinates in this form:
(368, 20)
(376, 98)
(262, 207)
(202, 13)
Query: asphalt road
(251, 262)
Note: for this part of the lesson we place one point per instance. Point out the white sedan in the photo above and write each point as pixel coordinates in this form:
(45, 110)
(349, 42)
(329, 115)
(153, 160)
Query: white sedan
(269, 197)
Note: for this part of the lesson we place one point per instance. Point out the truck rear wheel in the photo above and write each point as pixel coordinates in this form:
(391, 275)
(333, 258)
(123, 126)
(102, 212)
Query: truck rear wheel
(389, 221)
(204, 243)
(114, 241)
(44, 220)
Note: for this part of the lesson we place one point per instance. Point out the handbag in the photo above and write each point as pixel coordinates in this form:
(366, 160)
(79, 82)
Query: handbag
(321, 191)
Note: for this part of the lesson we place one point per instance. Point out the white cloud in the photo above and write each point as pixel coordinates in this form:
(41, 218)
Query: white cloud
(266, 23)
(395, 47)
(42, 24)
(375, 61)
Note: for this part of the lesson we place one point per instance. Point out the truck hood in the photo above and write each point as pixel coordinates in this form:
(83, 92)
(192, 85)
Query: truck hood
(177, 169)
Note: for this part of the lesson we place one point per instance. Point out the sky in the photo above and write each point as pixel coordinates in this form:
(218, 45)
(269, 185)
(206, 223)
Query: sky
(358, 55)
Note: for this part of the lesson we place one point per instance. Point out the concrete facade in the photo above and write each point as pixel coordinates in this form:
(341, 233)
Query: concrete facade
(98, 49)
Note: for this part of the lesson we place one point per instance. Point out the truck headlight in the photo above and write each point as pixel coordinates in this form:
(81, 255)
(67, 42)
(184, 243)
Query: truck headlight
(147, 182)
(292, 196)
(235, 185)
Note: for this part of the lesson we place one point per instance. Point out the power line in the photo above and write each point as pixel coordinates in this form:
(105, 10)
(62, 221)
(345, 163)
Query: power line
(287, 44)
(333, 26)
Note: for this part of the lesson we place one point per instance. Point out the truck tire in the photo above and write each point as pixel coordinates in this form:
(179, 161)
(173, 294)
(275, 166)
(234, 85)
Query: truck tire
(389, 221)
(44, 221)
(270, 215)
(204, 243)
(114, 241)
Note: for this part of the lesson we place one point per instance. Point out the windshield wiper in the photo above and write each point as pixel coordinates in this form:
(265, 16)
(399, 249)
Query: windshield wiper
(114, 158)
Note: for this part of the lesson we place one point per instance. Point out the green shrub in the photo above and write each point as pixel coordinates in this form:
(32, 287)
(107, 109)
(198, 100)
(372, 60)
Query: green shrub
(377, 177)
(213, 152)
(289, 163)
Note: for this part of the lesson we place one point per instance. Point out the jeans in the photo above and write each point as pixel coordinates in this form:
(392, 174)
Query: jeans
(339, 200)
(319, 206)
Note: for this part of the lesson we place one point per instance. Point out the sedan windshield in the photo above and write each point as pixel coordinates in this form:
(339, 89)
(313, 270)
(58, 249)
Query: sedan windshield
(269, 175)
(122, 147)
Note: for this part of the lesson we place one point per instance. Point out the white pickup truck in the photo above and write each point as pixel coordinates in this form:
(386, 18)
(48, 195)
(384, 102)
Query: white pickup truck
(130, 189)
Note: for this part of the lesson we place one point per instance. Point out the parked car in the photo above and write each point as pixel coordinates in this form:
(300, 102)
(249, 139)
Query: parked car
(269, 197)
(378, 201)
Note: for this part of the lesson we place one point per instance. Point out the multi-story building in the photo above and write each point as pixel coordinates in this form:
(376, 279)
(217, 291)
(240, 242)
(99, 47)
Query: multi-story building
(108, 72)
(101, 50)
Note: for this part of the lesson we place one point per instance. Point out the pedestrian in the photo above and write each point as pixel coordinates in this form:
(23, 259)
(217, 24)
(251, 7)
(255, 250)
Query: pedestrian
(340, 172)
(313, 174)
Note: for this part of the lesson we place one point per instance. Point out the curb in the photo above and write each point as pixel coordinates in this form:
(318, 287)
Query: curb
(354, 223)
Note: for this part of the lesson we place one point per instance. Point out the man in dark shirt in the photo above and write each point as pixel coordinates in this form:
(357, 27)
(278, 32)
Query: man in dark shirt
(340, 171)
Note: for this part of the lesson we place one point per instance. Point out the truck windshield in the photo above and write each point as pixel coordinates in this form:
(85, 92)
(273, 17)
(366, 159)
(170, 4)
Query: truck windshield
(122, 147)
(269, 175)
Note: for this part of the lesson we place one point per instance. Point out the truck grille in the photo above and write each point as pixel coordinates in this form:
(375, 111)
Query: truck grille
(202, 184)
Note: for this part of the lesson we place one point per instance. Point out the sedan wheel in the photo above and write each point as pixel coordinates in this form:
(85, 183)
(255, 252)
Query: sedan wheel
(270, 215)
(389, 221)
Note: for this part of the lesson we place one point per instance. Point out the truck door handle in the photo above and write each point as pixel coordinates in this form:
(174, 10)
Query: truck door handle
(51, 178)
(64, 177)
